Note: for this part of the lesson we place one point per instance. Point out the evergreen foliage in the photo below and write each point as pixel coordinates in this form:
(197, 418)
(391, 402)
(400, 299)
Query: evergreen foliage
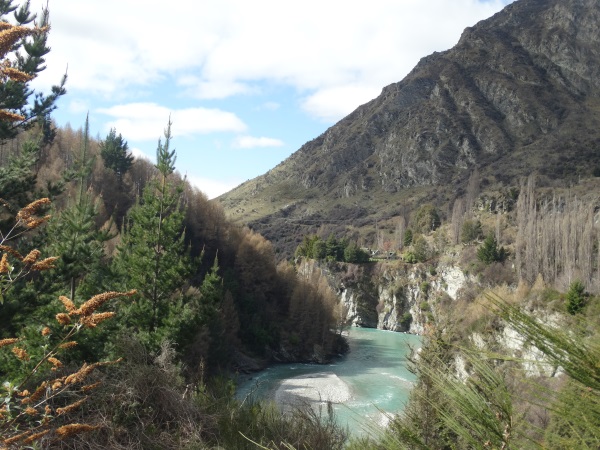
(575, 297)
(427, 218)
(115, 153)
(333, 249)
(471, 231)
(18, 177)
(152, 256)
(408, 237)
(489, 252)
(29, 50)
(77, 239)
(354, 254)
(421, 249)
(74, 232)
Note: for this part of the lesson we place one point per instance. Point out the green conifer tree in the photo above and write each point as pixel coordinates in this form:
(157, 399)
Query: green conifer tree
(22, 52)
(115, 153)
(153, 257)
(73, 233)
(575, 297)
(489, 251)
(29, 59)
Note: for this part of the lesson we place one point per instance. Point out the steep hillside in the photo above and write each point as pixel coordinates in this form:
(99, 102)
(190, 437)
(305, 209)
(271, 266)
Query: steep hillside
(520, 92)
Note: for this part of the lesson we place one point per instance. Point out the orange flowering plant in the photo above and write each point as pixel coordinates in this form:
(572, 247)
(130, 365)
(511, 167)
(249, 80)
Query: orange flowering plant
(29, 405)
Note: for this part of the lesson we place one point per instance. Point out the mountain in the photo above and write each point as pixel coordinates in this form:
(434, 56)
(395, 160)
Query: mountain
(520, 92)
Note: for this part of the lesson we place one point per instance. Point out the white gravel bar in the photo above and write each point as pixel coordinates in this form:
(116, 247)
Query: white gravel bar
(313, 388)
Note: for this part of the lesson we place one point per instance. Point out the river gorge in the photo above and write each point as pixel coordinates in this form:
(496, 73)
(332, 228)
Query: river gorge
(365, 386)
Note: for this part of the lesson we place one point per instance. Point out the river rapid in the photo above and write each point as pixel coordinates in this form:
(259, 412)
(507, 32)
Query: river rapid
(365, 386)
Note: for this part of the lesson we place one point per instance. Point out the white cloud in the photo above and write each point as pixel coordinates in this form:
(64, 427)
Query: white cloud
(139, 154)
(212, 188)
(201, 89)
(78, 106)
(269, 106)
(219, 49)
(332, 104)
(256, 142)
(146, 121)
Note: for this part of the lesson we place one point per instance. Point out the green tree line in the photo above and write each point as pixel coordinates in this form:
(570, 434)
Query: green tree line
(331, 249)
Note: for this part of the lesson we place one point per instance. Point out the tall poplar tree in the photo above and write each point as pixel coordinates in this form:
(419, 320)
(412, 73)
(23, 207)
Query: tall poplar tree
(153, 257)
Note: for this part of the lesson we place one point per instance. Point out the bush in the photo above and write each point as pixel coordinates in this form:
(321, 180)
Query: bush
(576, 297)
(421, 249)
(427, 218)
(409, 257)
(408, 237)
(489, 251)
(471, 231)
(406, 320)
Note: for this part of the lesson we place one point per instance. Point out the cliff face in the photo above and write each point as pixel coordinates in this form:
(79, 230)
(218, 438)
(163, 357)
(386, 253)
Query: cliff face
(406, 298)
(520, 92)
(395, 297)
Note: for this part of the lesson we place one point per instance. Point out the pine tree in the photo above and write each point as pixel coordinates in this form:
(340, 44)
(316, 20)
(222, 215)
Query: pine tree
(575, 297)
(28, 46)
(22, 51)
(75, 236)
(153, 257)
(115, 153)
(489, 251)
(18, 177)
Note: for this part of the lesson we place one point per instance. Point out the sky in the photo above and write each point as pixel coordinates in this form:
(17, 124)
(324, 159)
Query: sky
(245, 83)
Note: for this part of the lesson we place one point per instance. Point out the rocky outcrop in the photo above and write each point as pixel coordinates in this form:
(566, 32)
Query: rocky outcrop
(395, 297)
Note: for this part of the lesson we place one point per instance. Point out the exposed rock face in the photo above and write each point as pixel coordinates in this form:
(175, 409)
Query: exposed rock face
(512, 80)
(404, 298)
(395, 298)
(519, 92)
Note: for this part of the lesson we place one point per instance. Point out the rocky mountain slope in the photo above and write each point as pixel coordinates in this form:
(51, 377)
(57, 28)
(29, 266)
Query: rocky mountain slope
(520, 92)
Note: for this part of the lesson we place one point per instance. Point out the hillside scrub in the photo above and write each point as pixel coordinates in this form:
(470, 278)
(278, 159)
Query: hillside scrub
(228, 304)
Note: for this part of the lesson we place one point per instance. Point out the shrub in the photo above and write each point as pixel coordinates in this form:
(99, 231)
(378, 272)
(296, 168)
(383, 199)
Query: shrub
(471, 231)
(575, 297)
(409, 257)
(427, 218)
(489, 251)
(408, 237)
(406, 320)
(421, 249)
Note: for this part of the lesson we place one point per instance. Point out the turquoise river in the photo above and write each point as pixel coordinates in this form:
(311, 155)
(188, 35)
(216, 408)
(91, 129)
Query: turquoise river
(374, 372)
